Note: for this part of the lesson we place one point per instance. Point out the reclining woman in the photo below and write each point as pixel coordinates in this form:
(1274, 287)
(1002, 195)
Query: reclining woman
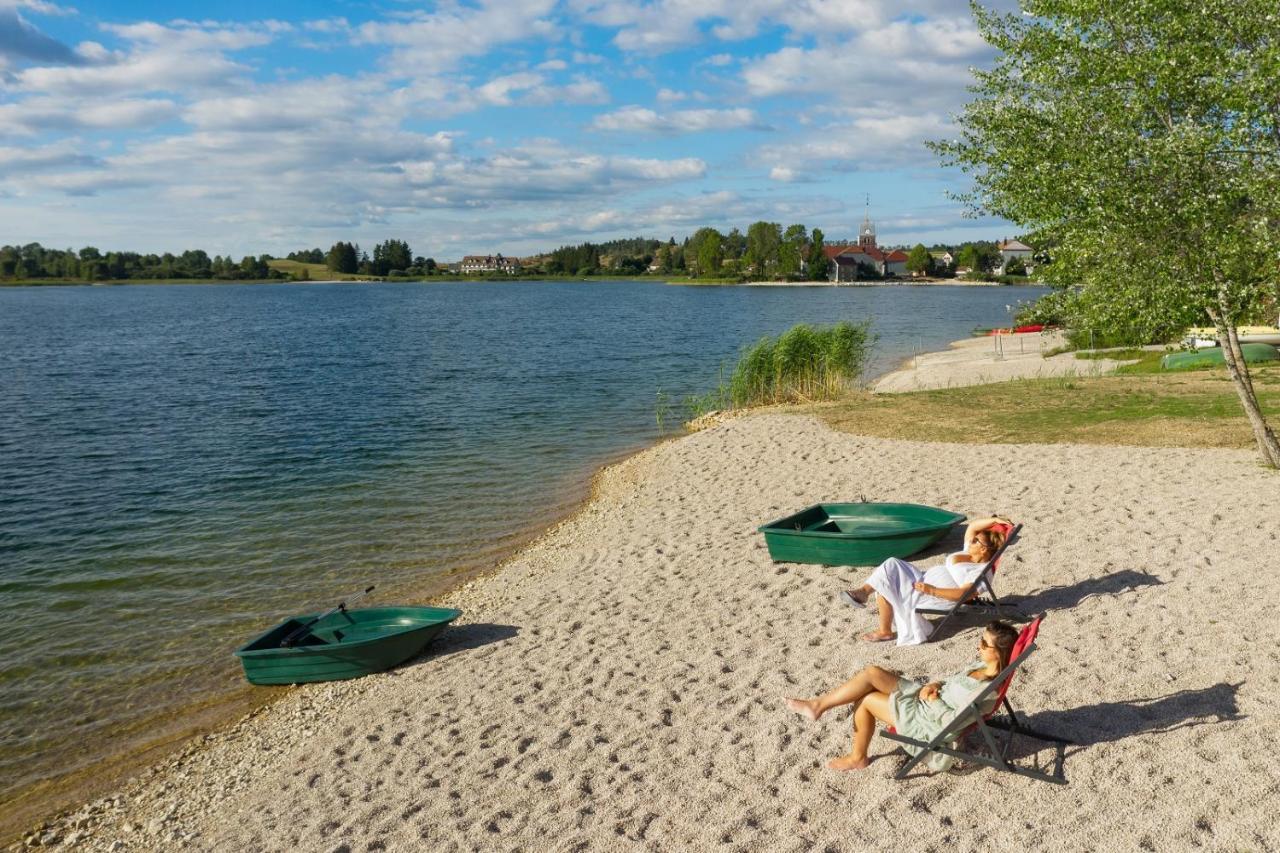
(900, 587)
(917, 710)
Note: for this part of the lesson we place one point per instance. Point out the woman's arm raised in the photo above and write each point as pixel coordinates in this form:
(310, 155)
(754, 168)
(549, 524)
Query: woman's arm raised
(982, 524)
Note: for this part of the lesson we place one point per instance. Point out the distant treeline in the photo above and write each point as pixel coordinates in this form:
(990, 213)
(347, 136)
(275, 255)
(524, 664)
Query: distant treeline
(765, 251)
(34, 262)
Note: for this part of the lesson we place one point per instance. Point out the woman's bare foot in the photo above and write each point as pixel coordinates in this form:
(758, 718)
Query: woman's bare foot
(848, 762)
(877, 637)
(808, 707)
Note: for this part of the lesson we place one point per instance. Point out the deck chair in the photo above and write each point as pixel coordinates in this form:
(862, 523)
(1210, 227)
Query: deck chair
(973, 602)
(997, 734)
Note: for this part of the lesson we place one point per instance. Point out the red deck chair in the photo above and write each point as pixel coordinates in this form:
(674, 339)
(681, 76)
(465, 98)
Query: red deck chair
(973, 603)
(997, 734)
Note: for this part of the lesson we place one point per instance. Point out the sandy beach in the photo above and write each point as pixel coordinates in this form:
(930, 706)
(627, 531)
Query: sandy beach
(977, 361)
(619, 684)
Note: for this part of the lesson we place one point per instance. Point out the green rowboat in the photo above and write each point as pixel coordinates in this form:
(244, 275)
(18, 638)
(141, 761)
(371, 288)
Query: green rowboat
(1253, 354)
(856, 534)
(344, 644)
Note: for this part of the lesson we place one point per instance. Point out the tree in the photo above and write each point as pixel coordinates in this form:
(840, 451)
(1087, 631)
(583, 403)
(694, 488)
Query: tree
(819, 264)
(708, 250)
(919, 260)
(342, 258)
(967, 257)
(1147, 131)
(791, 252)
(763, 242)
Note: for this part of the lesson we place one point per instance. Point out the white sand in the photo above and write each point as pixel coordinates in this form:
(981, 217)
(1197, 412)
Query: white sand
(977, 361)
(619, 684)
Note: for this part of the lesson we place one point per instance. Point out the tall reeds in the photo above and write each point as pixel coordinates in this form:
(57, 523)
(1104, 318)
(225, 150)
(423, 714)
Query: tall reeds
(803, 364)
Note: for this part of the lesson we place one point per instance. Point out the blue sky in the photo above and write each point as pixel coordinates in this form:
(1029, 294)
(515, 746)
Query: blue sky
(468, 127)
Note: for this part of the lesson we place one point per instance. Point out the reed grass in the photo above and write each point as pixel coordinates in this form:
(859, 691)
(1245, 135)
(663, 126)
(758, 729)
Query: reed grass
(804, 364)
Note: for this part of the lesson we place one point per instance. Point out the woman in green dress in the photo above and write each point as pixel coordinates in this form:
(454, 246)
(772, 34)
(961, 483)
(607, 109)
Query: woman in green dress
(917, 710)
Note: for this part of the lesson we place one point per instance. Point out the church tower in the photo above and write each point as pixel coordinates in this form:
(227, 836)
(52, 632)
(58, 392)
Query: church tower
(867, 233)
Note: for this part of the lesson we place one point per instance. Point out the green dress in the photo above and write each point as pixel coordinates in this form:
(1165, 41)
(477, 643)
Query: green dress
(916, 718)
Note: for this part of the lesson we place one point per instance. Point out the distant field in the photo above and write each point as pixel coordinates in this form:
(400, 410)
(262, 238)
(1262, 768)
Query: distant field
(317, 272)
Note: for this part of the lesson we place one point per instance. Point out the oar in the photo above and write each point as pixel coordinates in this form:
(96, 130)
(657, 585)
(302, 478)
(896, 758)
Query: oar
(342, 605)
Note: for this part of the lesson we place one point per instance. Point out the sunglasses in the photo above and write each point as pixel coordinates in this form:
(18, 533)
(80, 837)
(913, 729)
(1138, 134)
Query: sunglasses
(983, 644)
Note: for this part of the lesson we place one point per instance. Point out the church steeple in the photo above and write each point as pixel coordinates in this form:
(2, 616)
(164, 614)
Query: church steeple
(867, 233)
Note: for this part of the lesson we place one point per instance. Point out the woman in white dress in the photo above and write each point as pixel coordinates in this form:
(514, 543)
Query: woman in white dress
(900, 587)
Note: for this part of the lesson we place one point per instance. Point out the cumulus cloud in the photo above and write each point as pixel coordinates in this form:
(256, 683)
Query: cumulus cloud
(635, 119)
(871, 142)
(161, 58)
(436, 41)
(38, 115)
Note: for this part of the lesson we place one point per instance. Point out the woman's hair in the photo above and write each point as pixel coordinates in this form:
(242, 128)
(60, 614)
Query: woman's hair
(991, 540)
(1004, 636)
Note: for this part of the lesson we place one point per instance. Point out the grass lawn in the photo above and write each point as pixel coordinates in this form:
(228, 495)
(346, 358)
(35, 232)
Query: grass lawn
(1140, 405)
(317, 272)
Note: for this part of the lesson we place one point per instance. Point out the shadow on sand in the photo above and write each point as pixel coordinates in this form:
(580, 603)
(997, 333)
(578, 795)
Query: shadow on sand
(1106, 722)
(463, 638)
(1068, 596)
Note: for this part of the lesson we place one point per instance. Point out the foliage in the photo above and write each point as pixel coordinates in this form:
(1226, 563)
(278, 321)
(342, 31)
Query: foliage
(1144, 139)
(707, 245)
(34, 262)
(390, 255)
(819, 264)
(343, 257)
(919, 260)
(804, 363)
(307, 256)
(764, 240)
(791, 253)
(1052, 309)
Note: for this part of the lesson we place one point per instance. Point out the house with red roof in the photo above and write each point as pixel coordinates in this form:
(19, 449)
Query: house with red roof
(847, 260)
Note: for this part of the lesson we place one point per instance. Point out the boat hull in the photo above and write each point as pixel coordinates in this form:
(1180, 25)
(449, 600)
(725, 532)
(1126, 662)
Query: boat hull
(344, 645)
(856, 534)
(1253, 354)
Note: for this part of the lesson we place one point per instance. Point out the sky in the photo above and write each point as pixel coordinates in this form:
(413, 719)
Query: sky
(477, 127)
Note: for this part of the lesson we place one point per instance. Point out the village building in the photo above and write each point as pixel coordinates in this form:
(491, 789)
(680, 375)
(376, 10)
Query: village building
(846, 260)
(1013, 249)
(489, 263)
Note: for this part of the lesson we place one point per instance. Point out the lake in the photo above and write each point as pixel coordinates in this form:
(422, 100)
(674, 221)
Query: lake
(181, 466)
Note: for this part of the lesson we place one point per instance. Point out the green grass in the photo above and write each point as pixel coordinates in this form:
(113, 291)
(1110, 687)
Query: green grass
(316, 272)
(1193, 409)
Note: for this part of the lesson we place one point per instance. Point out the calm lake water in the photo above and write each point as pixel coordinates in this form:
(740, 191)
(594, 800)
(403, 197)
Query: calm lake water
(181, 466)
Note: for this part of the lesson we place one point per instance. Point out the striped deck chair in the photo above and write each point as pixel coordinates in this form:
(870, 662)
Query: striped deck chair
(997, 734)
(973, 602)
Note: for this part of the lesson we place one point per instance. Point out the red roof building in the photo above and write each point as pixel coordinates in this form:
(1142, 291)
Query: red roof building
(846, 260)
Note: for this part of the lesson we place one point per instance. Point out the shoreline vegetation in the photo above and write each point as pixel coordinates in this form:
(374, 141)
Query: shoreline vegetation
(766, 253)
(1137, 406)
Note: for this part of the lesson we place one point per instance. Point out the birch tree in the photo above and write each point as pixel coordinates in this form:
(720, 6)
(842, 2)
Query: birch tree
(1149, 130)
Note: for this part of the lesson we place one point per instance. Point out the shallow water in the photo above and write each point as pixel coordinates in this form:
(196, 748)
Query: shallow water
(180, 466)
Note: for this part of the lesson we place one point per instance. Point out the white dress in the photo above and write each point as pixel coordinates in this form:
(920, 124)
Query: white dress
(895, 580)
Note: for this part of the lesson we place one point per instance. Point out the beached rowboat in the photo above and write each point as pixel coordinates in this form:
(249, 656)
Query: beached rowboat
(856, 534)
(344, 644)
(1207, 338)
(1253, 354)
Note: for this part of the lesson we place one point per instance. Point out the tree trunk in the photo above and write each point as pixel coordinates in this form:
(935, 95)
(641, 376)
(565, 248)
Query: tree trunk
(1238, 369)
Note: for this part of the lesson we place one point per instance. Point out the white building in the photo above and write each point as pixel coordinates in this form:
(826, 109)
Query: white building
(1011, 249)
(489, 263)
